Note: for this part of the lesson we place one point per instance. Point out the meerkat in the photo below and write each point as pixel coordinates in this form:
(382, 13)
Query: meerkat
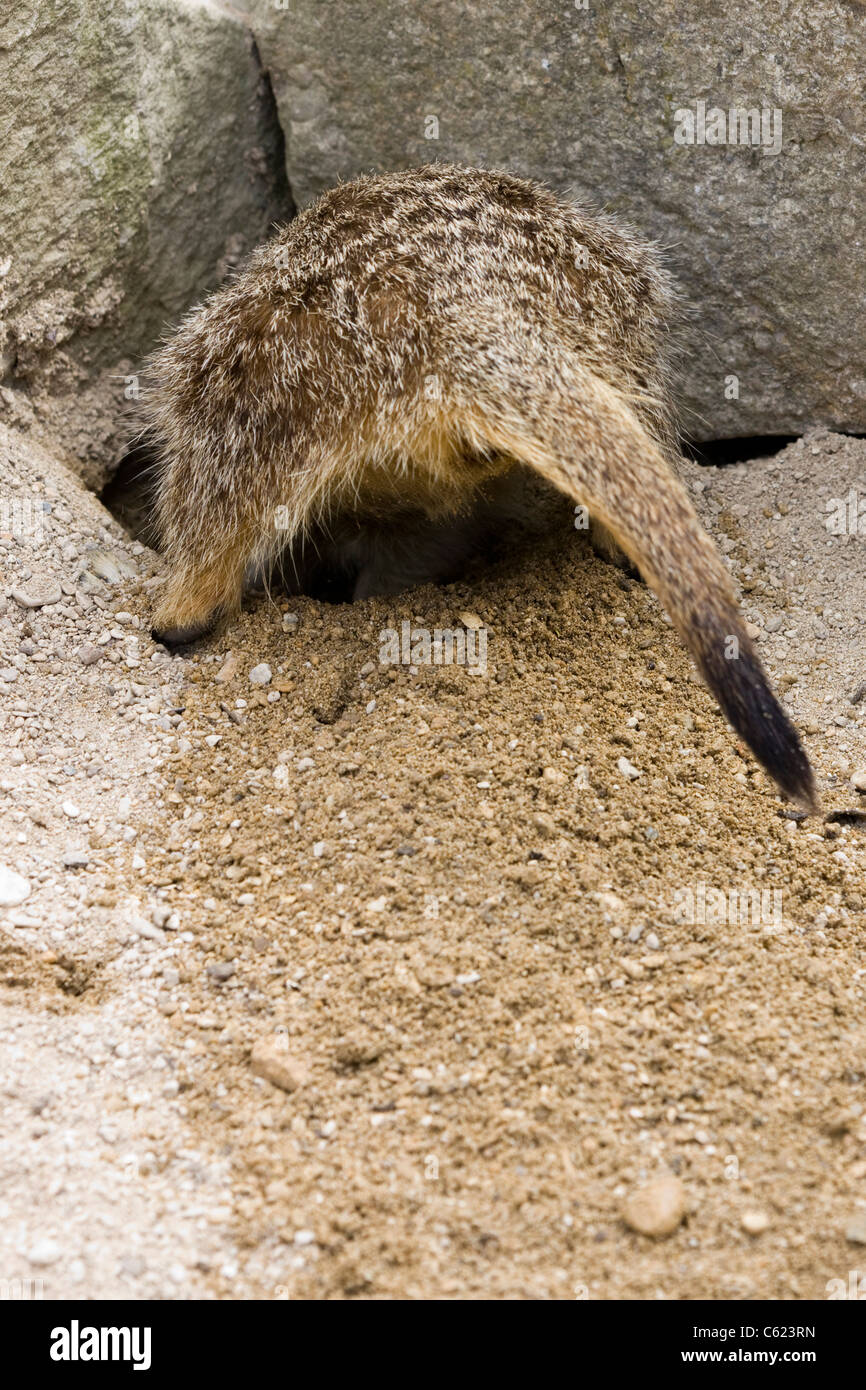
(368, 383)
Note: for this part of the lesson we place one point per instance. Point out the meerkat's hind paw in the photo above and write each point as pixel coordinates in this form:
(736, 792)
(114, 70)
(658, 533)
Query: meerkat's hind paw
(196, 599)
(182, 634)
(183, 616)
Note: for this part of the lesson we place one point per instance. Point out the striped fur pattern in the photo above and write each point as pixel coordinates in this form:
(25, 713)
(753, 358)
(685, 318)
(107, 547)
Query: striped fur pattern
(381, 365)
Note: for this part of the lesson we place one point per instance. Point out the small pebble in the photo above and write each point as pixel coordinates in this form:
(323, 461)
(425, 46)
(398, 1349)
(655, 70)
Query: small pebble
(627, 769)
(657, 1208)
(855, 1231)
(228, 670)
(221, 971)
(754, 1222)
(261, 674)
(142, 927)
(858, 780)
(37, 598)
(271, 1059)
(554, 775)
(13, 888)
(44, 1252)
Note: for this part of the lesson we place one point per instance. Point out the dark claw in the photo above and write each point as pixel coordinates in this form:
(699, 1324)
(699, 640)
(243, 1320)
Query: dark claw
(182, 636)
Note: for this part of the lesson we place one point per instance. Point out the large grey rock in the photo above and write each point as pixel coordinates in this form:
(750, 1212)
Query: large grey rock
(140, 157)
(768, 248)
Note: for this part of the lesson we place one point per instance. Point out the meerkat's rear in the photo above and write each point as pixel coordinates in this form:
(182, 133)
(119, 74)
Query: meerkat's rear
(388, 356)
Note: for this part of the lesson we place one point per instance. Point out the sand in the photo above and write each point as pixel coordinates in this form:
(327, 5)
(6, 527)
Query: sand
(515, 942)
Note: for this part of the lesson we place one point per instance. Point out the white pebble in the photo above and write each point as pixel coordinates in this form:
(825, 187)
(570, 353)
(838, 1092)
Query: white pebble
(754, 1222)
(142, 927)
(44, 1252)
(627, 769)
(261, 674)
(37, 598)
(13, 888)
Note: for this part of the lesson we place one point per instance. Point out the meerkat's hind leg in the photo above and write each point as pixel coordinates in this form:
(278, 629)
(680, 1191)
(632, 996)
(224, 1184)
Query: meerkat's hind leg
(197, 597)
(605, 545)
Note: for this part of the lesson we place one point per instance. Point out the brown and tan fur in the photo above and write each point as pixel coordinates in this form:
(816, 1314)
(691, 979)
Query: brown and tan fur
(384, 361)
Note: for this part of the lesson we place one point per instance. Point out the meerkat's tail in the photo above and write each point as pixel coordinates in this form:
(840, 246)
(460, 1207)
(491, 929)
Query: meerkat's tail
(582, 434)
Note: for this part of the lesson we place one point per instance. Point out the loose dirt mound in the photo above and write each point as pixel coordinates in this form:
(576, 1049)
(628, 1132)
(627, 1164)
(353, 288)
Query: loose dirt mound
(506, 980)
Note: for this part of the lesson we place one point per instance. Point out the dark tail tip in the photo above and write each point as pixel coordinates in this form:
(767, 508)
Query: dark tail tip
(732, 669)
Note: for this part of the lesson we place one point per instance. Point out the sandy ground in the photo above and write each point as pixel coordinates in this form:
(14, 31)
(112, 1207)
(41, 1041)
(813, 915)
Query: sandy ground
(456, 927)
